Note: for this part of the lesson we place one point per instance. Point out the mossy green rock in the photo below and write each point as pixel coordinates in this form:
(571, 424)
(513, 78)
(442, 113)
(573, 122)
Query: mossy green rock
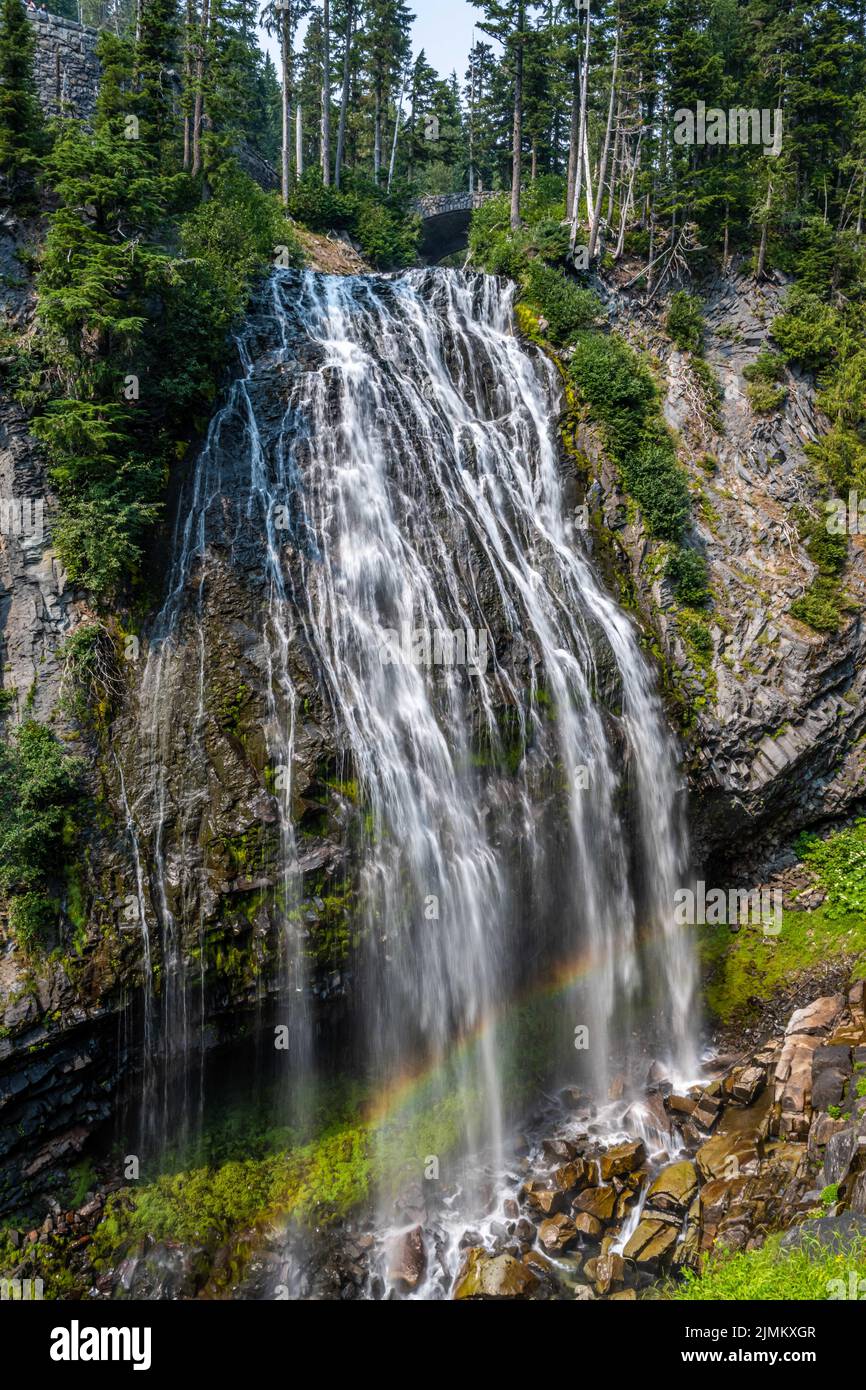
(493, 1277)
(674, 1188)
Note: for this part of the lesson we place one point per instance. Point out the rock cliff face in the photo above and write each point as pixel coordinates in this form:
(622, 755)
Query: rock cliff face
(780, 715)
(60, 1054)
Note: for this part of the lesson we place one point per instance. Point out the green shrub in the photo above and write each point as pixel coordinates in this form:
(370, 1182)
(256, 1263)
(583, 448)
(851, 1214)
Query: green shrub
(767, 366)
(658, 484)
(559, 299)
(840, 863)
(618, 388)
(637, 242)
(548, 239)
(840, 459)
(765, 397)
(685, 321)
(322, 209)
(764, 392)
(234, 236)
(808, 330)
(387, 239)
(489, 221)
(820, 607)
(503, 256)
(809, 1273)
(544, 199)
(41, 786)
(387, 235)
(622, 396)
(815, 258)
(828, 550)
(696, 635)
(687, 572)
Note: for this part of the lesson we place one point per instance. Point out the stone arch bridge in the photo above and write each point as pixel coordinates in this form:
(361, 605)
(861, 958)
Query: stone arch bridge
(445, 221)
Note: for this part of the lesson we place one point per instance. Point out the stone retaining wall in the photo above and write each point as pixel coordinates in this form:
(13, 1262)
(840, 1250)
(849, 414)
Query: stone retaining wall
(67, 68)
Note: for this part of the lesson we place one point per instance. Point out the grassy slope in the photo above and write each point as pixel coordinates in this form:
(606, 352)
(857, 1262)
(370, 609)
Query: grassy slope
(773, 1274)
(744, 969)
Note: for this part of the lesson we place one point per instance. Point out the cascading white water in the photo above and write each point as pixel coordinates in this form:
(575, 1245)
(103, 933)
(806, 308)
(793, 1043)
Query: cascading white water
(518, 783)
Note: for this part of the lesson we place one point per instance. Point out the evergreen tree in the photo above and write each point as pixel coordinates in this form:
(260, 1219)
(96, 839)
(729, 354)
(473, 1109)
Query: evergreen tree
(22, 139)
(157, 56)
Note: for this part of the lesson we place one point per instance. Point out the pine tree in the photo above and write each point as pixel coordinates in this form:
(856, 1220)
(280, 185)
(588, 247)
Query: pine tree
(156, 59)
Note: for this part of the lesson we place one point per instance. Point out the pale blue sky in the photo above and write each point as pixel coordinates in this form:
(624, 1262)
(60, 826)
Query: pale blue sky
(443, 28)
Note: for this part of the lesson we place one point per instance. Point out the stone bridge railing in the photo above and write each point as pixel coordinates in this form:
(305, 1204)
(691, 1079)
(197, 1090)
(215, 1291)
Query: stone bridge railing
(439, 204)
(66, 67)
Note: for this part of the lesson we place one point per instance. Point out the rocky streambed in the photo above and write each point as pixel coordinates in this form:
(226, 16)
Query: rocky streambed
(775, 1138)
(604, 1199)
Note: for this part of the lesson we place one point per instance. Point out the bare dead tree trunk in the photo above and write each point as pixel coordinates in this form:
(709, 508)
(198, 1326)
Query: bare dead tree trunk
(393, 161)
(299, 142)
(573, 139)
(326, 93)
(471, 118)
(187, 83)
(628, 198)
(587, 174)
(286, 108)
(344, 95)
(617, 162)
(517, 129)
(377, 132)
(596, 212)
(580, 159)
(198, 107)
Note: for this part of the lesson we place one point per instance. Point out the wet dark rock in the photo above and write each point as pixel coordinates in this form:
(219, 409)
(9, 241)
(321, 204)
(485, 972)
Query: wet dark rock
(729, 1155)
(675, 1188)
(828, 1087)
(587, 1225)
(748, 1085)
(407, 1258)
(557, 1233)
(542, 1199)
(570, 1177)
(652, 1245)
(558, 1151)
(485, 1276)
(622, 1159)
(599, 1202)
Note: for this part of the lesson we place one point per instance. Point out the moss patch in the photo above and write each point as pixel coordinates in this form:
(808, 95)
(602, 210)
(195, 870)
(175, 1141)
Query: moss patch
(744, 969)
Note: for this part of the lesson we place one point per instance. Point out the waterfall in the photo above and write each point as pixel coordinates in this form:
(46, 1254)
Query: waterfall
(384, 483)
